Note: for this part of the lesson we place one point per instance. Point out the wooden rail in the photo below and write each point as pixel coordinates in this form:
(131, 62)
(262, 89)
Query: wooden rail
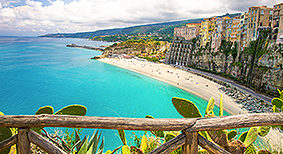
(189, 139)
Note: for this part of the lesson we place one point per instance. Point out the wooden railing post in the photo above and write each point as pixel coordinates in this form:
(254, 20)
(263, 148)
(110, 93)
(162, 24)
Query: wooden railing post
(23, 145)
(191, 143)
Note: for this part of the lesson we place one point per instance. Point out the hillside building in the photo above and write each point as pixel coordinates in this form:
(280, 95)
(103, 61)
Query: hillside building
(277, 23)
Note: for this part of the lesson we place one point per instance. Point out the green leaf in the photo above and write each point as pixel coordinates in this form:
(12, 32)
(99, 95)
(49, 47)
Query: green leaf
(274, 108)
(45, 110)
(169, 136)
(221, 106)
(202, 152)
(232, 134)
(186, 108)
(250, 150)
(79, 110)
(277, 102)
(219, 137)
(210, 106)
(143, 143)
(205, 135)
(251, 136)
(243, 136)
(263, 130)
(126, 149)
(122, 136)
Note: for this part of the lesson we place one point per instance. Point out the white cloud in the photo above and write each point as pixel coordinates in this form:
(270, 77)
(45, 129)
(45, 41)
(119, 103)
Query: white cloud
(89, 15)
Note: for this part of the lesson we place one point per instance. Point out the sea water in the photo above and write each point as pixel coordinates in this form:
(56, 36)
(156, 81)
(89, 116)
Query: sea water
(36, 72)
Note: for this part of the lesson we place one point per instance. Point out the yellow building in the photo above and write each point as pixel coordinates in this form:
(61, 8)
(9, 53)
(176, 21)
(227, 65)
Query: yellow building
(207, 29)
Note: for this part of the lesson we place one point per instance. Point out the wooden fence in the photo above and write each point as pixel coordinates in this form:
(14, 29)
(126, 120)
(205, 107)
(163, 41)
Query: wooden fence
(189, 138)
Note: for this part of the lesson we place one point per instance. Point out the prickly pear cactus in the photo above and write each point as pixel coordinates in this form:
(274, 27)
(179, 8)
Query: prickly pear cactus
(251, 136)
(79, 110)
(169, 136)
(5, 133)
(250, 150)
(45, 110)
(221, 106)
(186, 108)
(243, 136)
(143, 146)
(263, 130)
(210, 107)
(277, 102)
(232, 134)
(122, 136)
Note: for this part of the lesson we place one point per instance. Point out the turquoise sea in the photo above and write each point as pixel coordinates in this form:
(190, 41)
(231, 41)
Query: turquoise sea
(35, 72)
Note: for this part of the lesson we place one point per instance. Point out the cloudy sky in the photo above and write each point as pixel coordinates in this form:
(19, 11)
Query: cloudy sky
(37, 17)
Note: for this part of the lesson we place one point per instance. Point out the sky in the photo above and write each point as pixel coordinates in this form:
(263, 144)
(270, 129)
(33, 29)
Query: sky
(38, 17)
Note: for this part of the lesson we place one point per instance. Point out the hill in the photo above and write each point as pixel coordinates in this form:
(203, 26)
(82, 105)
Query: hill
(161, 29)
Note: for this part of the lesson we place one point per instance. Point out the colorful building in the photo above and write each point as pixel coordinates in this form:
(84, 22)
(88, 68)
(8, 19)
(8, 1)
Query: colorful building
(207, 29)
(277, 23)
(188, 32)
(259, 17)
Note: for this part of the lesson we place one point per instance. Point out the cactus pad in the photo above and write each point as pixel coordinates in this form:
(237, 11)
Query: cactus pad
(45, 110)
(73, 110)
(277, 102)
(232, 134)
(5, 133)
(251, 136)
(210, 106)
(221, 106)
(126, 149)
(186, 108)
(263, 130)
(122, 136)
(219, 137)
(243, 136)
(169, 136)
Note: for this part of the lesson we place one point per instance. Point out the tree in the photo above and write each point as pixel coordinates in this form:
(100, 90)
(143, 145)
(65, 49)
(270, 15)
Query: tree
(225, 48)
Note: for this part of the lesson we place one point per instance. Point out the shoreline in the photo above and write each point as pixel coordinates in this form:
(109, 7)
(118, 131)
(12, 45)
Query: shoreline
(181, 79)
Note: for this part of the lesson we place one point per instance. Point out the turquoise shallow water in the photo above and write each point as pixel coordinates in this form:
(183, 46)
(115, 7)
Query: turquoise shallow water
(35, 72)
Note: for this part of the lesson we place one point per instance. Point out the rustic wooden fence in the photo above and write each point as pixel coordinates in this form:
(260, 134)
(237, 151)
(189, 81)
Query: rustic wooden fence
(189, 138)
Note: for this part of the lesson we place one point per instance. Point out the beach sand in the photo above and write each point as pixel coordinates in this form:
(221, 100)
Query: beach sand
(191, 83)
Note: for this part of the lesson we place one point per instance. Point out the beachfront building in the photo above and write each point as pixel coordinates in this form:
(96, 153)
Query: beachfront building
(243, 31)
(277, 23)
(235, 29)
(178, 53)
(193, 30)
(188, 32)
(207, 29)
(259, 17)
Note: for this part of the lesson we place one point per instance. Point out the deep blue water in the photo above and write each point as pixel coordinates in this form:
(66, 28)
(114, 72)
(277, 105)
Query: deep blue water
(35, 72)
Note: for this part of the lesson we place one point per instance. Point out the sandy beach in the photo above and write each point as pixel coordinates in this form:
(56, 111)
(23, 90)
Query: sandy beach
(189, 82)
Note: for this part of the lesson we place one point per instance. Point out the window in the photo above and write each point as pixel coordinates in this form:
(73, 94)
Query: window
(255, 11)
(260, 24)
(270, 12)
(262, 12)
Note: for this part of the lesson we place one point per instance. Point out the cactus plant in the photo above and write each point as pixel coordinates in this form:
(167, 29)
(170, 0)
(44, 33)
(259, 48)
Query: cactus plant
(186, 108)
(243, 136)
(250, 150)
(221, 106)
(210, 106)
(79, 110)
(169, 136)
(45, 110)
(232, 134)
(277, 102)
(122, 136)
(263, 130)
(143, 146)
(251, 136)
(5, 133)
